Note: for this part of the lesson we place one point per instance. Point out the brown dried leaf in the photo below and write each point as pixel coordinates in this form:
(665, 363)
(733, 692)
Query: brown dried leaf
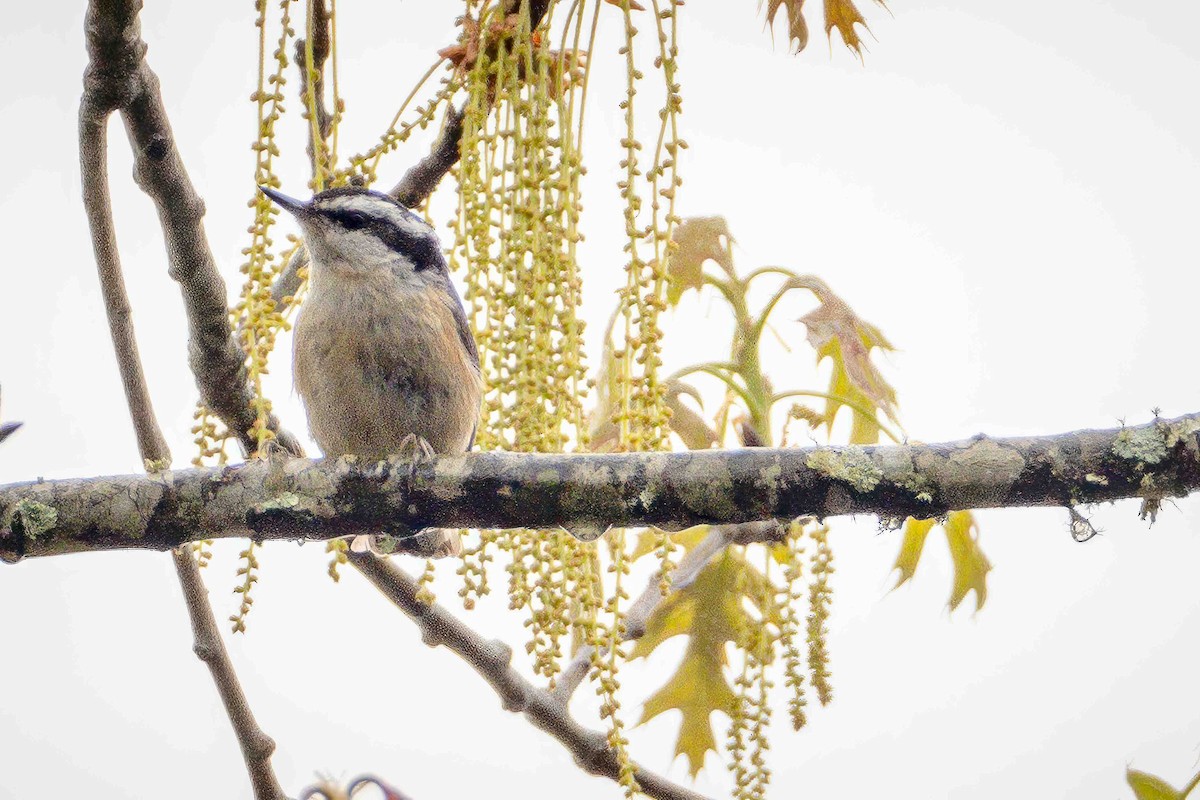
(836, 332)
(844, 15)
(797, 27)
(697, 240)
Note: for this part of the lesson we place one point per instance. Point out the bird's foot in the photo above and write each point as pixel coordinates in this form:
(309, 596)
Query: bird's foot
(273, 451)
(414, 448)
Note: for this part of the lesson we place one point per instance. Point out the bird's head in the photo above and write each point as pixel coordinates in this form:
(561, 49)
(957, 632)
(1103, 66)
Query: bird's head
(356, 231)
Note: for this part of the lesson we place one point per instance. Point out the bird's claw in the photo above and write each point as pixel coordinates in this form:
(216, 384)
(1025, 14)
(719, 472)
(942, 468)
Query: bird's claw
(414, 448)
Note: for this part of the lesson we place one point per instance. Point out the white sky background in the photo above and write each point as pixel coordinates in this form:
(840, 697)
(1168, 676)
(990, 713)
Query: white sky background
(1007, 189)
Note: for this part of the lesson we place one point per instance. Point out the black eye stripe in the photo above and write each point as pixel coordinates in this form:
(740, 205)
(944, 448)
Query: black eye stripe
(420, 248)
(351, 220)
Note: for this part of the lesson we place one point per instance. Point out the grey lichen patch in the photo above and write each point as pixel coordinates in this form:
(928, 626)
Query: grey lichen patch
(646, 496)
(980, 475)
(920, 486)
(449, 474)
(311, 480)
(1058, 464)
(1141, 445)
(769, 478)
(1099, 480)
(34, 519)
(707, 489)
(123, 509)
(850, 465)
(1184, 430)
(280, 502)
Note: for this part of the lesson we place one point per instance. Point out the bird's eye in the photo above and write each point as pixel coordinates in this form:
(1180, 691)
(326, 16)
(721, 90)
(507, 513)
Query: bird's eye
(352, 220)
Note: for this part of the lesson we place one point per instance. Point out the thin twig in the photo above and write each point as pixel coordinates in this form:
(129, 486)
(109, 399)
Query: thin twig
(321, 43)
(424, 176)
(93, 163)
(256, 745)
(102, 95)
(412, 190)
(492, 661)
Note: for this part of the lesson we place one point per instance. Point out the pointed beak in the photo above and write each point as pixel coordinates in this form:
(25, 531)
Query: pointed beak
(289, 204)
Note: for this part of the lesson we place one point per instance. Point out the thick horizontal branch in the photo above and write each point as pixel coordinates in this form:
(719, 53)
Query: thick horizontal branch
(586, 493)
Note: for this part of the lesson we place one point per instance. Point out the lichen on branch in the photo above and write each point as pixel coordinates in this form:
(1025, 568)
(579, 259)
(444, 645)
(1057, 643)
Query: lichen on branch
(585, 493)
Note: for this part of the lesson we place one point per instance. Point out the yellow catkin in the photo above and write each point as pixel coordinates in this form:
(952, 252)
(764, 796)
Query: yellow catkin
(255, 317)
(820, 597)
(789, 633)
(516, 230)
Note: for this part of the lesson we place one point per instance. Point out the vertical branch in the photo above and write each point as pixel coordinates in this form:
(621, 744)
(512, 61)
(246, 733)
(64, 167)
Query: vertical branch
(256, 745)
(117, 78)
(93, 148)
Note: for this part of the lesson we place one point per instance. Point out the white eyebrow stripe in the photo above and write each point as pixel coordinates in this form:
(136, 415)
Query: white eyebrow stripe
(373, 206)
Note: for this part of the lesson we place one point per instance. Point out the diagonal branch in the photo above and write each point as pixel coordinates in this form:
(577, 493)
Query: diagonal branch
(118, 78)
(585, 493)
(492, 661)
(256, 745)
(103, 83)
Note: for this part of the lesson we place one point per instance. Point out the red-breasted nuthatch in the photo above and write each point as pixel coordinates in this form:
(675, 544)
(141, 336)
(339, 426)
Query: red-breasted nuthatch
(382, 356)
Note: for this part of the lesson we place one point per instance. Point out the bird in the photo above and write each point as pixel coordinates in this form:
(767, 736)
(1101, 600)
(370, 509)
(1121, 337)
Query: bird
(383, 359)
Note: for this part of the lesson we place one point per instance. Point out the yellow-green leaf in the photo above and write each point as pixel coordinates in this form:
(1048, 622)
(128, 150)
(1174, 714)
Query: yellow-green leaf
(697, 240)
(710, 611)
(915, 531)
(970, 564)
(1150, 787)
(647, 541)
(692, 428)
(603, 434)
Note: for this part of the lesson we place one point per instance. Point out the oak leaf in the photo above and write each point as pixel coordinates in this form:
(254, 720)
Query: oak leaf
(844, 15)
(971, 566)
(709, 611)
(697, 240)
(837, 333)
(797, 27)
(692, 428)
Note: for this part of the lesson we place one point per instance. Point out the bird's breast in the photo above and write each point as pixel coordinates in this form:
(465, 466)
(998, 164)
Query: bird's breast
(374, 363)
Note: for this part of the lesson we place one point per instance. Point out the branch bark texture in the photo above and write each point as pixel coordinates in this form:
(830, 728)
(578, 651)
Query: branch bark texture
(586, 493)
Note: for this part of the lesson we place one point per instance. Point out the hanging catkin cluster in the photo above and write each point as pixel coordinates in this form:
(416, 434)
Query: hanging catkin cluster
(521, 82)
(516, 233)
